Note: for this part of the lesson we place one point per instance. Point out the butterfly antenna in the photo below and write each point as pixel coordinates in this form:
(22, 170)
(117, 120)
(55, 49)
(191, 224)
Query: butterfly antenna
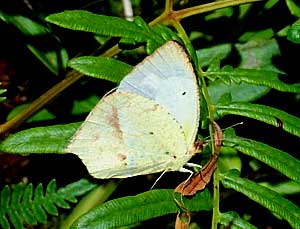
(207, 139)
(233, 125)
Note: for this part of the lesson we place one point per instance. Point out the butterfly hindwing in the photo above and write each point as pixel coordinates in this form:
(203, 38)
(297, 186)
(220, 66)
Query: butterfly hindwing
(127, 135)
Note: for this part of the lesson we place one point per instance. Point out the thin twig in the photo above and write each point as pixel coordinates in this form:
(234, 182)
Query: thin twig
(40, 102)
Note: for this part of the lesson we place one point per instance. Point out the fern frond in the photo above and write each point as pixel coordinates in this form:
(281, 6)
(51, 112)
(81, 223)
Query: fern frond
(137, 31)
(293, 32)
(261, 77)
(24, 206)
(233, 220)
(264, 196)
(101, 67)
(130, 210)
(272, 116)
(50, 139)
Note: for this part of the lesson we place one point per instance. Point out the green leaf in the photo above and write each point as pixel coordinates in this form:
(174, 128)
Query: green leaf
(4, 206)
(241, 92)
(84, 106)
(265, 197)
(229, 159)
(270, 3)
(224, 12)
(48, 204)
(293, 7)
(101, 67)
(258, 54)
(26, 25)
(54, 57)
(283, 188)
(233, 220)
(132, 209)
(51, 139)
(42, 115)
(275, 158)
(55, 60)
(5, 198)
(207, 55)
(263, 34)
(15, 219)
(165, 32)
(79, 107)
(14, 215)
(26, 205)
(1, 92)
(93, 199)
(293, 34)
(262, 113)
(158, 30)
(107, 25)
(252, 76)
(77, 189)
(255, 54)
(37, 206)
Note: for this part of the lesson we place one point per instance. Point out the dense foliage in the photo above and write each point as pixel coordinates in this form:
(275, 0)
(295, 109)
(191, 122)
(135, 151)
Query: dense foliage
(246, 64)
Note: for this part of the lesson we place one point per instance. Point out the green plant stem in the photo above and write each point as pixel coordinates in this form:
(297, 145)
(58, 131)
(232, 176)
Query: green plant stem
(169, 5)
(169, 14)
(90, 201)
(180, 14)
(185, 38)
(112, 51)
(216, 199)
(216, 181)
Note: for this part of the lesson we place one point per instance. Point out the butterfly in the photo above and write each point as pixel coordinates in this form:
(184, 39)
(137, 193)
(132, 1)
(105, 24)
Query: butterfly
(148, 124)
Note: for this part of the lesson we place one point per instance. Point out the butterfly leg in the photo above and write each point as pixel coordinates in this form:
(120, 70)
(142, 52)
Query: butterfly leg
(184, 170)
(193, 165)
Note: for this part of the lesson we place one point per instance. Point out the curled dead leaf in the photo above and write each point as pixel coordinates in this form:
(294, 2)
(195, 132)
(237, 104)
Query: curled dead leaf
(201, 179)
(183, 220)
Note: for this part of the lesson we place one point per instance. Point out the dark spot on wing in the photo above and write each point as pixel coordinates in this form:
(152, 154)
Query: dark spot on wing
(151, 133)
(169, 153)
(122, 157)
(155, 107)
(183, 93)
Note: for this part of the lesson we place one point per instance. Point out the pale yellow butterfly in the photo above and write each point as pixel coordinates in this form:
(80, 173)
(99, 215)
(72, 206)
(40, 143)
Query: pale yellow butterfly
(148, 124)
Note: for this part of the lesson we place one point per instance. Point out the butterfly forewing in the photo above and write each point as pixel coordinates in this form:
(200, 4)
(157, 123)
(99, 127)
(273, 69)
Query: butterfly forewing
(168, 78)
